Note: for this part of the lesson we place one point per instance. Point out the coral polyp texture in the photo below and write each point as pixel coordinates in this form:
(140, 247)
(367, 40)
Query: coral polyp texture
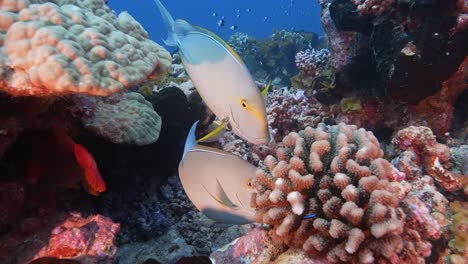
(360, 207)
(422, 149)
(310, 61)
(122, 118)
(73, 46)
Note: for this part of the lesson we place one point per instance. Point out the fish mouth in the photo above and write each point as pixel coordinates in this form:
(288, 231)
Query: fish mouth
(257, 140)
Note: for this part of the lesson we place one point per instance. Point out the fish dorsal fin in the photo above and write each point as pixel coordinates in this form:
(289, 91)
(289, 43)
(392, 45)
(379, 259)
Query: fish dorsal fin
(183, 29)
(221, 196)
(190, 141)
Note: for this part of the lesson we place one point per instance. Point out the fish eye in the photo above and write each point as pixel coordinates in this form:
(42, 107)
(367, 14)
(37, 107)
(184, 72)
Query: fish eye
(244, 103)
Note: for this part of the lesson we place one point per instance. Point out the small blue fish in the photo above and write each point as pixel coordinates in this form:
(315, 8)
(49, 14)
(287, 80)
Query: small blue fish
(309, 216)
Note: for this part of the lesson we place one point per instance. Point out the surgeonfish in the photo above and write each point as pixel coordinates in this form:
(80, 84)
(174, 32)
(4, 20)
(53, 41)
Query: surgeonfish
(218, 183)
(221, 78)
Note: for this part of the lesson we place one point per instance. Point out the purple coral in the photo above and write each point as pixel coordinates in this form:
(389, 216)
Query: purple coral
(359, 199)
(310, 61)
(290, 109)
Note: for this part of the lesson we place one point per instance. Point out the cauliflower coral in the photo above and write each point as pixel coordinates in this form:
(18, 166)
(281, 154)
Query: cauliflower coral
(73, 46)
(357, 206)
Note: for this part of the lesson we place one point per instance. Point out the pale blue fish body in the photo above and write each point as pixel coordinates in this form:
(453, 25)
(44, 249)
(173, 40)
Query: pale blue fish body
(221, 78)
(217, 182)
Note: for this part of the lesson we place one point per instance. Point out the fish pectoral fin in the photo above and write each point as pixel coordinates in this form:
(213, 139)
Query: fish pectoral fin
(221, 196)
(267, 87)
(214, 132)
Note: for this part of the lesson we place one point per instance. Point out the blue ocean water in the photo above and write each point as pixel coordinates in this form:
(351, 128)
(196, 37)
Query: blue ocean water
(256, 18)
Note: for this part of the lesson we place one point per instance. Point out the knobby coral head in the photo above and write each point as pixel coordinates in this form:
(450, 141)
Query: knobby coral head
(63, 47)
(337, 173)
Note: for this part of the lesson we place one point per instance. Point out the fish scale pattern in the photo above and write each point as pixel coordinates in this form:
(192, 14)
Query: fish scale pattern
(338, 175)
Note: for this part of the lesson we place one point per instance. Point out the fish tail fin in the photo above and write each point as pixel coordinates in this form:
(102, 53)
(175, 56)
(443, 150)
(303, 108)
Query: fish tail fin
(191, 140)
(169, 22)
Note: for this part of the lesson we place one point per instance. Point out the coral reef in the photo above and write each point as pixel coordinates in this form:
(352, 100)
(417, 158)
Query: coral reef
(422, 150)
(359, 204)
(315, 70)
(62, 47)
(290, 109)
(459, 228)
(437, 112)
(122, 118)
(95, 238)
(256, 246)
(64, 236)
(310, 61)
(168, 248)
(274, 55)
(373, 7)
(403, 44)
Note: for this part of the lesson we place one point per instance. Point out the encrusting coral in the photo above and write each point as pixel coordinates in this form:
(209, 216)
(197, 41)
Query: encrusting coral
(459, 228)
(122, 118)
(421, 149)
(357, 200)
(70, 46)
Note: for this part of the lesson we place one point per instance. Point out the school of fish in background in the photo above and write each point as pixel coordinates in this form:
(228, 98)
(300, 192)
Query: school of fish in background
(350, 147)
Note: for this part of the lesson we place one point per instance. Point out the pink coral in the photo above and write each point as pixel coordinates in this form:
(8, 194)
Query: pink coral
(373, 7)
(428, 153)
(290, 109)
(61, 235)
(77, 236)
(338, 175)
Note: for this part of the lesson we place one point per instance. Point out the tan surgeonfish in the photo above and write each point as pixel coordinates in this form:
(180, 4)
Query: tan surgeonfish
(218, 183)
(220, 77)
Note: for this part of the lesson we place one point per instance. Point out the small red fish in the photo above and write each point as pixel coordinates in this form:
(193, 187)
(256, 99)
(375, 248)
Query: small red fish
(92, 179)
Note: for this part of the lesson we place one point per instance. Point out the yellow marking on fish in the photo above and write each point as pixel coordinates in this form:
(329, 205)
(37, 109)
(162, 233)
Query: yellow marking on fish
(251, 109)
(248, 184)
(214, 132)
